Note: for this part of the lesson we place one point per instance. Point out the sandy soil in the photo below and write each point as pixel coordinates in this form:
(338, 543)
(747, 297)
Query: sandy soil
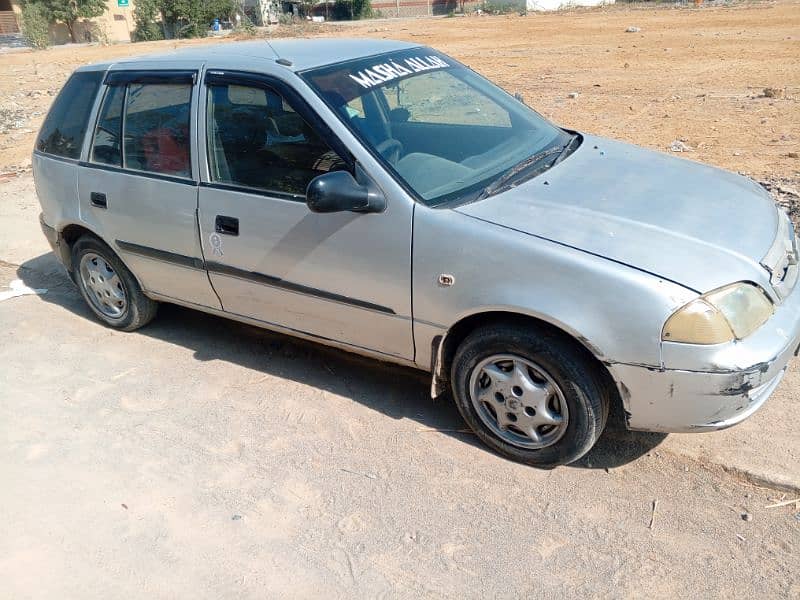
(203, 458)
(697, 76)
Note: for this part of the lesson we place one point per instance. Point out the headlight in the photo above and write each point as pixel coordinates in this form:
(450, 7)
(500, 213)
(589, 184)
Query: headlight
(729, 313)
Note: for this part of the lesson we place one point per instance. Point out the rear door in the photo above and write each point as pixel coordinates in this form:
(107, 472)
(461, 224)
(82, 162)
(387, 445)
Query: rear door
(138, 186)
(340, 276)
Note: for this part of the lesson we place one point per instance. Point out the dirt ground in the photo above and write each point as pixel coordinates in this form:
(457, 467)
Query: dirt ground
(203, 458)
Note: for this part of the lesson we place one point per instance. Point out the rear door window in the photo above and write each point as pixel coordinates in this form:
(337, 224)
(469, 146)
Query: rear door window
(156, 128)
(64, 129)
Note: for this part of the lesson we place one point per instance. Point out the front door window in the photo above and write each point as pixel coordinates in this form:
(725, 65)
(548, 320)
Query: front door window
(256, 140)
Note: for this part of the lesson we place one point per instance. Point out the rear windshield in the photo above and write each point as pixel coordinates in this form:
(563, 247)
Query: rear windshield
(64, 128)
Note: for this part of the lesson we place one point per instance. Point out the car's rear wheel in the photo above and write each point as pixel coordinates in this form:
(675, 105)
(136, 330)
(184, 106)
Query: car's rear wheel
(530, 394)
(108, 287)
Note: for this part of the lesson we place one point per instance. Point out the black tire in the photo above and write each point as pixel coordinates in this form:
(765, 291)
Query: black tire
(567, 365)
(139, 310)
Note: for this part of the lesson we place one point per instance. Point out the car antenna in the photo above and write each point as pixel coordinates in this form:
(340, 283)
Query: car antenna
(281, 61)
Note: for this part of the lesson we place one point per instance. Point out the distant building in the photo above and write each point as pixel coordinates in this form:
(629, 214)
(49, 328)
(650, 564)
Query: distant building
(262, 12)
(115, 25)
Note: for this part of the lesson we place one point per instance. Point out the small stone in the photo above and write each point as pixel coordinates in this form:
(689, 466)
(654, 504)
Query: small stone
(572, 95)
(746, 516)
(793, 155)
(679, 146)
(633, 29)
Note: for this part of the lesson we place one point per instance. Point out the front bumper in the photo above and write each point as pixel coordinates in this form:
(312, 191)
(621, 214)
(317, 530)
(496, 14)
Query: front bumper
(705, 388)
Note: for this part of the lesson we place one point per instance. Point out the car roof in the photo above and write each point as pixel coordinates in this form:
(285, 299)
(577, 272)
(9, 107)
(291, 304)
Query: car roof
(302, 53)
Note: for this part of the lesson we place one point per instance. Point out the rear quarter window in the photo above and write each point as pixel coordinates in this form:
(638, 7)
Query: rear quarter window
(64, 128)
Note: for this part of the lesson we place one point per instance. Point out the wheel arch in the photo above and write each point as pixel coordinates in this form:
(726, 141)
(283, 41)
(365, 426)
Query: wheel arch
(68, 234)
(445, 346)
(71, 233)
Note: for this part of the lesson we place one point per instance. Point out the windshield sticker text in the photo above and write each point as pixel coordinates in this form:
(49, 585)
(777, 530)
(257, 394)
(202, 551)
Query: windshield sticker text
(381, 73)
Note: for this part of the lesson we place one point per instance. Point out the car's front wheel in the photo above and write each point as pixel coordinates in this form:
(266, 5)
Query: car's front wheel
(108, 287)
(529, 393)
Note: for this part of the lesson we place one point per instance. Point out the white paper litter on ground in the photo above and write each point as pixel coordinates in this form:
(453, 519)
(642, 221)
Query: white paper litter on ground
(18, 288)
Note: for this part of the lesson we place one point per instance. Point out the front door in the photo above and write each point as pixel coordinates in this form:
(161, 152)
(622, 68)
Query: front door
(137, 187)
(340, 276)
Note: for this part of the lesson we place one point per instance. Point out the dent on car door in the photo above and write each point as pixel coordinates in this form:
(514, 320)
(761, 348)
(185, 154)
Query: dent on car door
(137, 187)
(341, 276)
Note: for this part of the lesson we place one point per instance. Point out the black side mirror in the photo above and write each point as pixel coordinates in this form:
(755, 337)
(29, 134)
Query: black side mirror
(338, 191)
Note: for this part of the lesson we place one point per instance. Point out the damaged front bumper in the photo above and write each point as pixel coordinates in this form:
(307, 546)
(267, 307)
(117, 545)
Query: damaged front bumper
(705, 388)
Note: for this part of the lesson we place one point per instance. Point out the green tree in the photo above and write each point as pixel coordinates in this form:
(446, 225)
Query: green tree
(146, 17)
(345, 10)
(179, 18)
(35, 25)
(69, 11)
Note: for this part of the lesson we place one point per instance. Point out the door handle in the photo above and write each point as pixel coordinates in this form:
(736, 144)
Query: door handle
(226, 225)
(98, 199)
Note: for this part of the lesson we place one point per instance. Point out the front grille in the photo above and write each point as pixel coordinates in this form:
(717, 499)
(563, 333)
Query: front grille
(781, 259)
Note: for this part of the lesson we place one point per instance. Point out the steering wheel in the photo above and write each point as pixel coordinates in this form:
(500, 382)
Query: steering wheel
(390, 149)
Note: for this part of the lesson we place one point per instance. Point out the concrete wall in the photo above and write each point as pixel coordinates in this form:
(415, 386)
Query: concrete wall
(560, 4)
(420, 8)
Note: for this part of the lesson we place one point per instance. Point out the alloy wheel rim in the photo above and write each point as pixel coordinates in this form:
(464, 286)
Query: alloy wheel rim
(518, 401)
(103, 286)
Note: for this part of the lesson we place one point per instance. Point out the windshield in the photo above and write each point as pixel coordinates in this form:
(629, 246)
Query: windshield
(444, 130)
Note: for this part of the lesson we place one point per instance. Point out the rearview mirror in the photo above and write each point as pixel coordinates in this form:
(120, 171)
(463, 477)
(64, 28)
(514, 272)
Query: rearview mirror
(338, 191)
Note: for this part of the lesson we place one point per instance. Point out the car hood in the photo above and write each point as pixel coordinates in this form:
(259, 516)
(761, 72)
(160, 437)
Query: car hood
(693, 224)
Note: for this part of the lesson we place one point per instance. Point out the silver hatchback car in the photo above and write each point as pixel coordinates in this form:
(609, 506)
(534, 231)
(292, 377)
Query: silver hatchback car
(383, 198)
